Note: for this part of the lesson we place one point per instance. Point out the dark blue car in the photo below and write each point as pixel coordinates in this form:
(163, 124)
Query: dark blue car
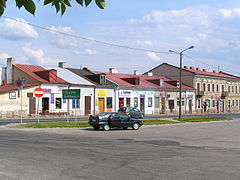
(109, 120)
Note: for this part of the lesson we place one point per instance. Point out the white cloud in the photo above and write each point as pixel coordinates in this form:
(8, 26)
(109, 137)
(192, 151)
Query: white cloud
(38, 57)
(4, 56)
(90, 51)
(153, 56)
(63, 39)
(15, 30)
(229, 13)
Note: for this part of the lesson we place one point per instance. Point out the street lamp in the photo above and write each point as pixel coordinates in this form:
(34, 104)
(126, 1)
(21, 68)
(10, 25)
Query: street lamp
(180, 79)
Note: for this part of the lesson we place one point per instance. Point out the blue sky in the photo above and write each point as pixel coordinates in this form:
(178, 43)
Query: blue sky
(211, 26)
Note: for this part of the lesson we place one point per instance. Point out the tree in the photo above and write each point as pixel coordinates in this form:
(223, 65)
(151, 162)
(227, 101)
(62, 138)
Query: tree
(60, 5)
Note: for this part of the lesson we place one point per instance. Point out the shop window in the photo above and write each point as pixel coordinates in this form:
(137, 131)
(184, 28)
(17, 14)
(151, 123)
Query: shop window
(182, 103)
(233, 103)
(109, 103)
(136, 102)
(75, 104)
(157, 102)
(204, 87)
(149, 102)
(58, 102)
(128, 102)
(217, 87)
(213, 87)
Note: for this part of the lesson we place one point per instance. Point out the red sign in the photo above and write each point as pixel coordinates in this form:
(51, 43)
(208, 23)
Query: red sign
(38, 92)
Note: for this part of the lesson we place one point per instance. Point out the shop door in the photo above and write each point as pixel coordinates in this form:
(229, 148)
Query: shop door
(32, 103)
(45, 105)
(142, 106)
(171, 105)
(190, 106)
(121, 103)
(163, 105)
(128, 102)
(101, 104)
(87, 105)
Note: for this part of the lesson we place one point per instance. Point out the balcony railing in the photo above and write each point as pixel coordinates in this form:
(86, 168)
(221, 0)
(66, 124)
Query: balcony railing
(200, 93)
(224, 94)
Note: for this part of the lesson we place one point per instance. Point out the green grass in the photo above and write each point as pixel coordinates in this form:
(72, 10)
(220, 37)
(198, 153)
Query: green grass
(202, 119)
(158, 122)
(55, 125)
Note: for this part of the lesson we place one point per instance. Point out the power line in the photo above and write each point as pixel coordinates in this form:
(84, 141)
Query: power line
(87, 39)
(107, 43)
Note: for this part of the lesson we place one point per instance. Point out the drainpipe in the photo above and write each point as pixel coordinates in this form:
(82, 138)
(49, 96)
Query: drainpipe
(94, 100)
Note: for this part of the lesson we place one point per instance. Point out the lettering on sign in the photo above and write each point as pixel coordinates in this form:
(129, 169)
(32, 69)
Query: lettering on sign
(71, 93)
(125, 93)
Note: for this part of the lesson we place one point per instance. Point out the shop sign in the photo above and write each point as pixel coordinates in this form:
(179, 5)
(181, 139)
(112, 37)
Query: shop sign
(52, 99)
(125, 93)
(71, 93)
(163, 94)
(190, 96)
(47, 90)
(102, 93)
(142, 95)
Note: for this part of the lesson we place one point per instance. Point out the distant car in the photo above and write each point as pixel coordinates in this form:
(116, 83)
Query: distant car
(132, 112)
(109, 120)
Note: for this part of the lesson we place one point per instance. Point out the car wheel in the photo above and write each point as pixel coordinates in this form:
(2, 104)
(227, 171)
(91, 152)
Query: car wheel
(135, 126)
(96, 128)
(106, 127)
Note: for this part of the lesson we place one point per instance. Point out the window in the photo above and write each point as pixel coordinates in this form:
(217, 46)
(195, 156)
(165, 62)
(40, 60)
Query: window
(209, 87)
(102, 79)
(58, 103)
(204, 87)
(128, 102)
(178, 103)
(233, 103)
(236, 89)
(213, 87)
(213, 103)
(222, 88)
(198, 86)
(136, 102)
(229, 89)
(75, 104)
(199, 103)
(157, 102)
(149, 102)
(236, 102)
(232, 89)
(109, 103)
(217, 88)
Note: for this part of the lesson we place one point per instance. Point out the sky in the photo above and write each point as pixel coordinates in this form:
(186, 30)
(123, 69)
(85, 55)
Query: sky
(155, 27)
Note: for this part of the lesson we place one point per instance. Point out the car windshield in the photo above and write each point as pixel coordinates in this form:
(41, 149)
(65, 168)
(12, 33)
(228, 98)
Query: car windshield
(103, 114)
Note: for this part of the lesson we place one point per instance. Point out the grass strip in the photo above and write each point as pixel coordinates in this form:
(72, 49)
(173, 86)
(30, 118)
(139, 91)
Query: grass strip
(158, 122)
(55, 125)
(202, 119)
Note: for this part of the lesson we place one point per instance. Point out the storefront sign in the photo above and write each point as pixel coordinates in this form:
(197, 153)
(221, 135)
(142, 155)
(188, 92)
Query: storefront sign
(190, 96)
(102, 93)
(125, 93)
(52, 99)
(47, 91)
(71, 93)
(142, 95)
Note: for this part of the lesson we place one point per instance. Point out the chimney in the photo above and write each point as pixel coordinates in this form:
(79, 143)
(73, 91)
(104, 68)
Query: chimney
(150, 73)
(185, 67)
(113, 70)
(192, 68)
(9, 71)
(62, 65)
(197, 68)
(135, 72)
(204, 70)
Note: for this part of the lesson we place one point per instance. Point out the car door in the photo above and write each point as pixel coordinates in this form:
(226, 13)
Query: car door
(136, 112)
(125, 119)
(115, 120)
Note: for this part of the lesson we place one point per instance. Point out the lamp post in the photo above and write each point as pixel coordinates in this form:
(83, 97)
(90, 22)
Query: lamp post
(180, 79)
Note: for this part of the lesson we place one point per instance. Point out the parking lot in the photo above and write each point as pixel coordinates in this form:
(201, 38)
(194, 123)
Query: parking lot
(183, 151)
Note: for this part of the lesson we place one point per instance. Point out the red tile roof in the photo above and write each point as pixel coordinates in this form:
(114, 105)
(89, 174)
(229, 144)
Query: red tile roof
(145, 81)
(32, 70)
(217, 74)
(7, 88)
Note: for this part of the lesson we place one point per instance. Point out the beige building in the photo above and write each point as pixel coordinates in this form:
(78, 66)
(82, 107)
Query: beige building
(216, 91)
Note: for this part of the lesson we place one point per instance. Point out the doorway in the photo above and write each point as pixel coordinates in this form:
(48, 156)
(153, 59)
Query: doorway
(87, 105)
(163, 105)
(121, 103)
(101, 104)
(142, 104)
(45, 105)
(190, 106)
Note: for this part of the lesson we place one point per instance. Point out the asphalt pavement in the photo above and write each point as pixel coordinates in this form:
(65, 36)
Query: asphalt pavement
(199, 151)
